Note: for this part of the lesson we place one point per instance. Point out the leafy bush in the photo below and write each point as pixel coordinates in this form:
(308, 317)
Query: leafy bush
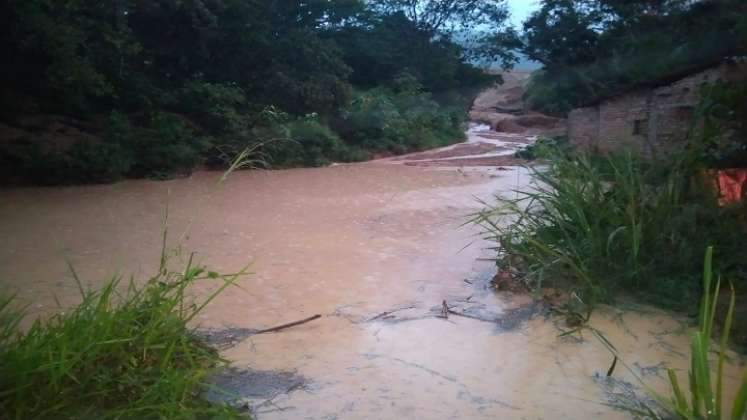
(215, 106)
(382, 121)
(166, 146)
(310, 143)
(124, 352)
(98, 162)
(163, 147)
(83, 162)
(601, 225)
(107, 160)
(306, 141)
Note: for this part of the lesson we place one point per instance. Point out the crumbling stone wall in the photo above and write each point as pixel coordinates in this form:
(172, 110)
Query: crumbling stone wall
(648, 120)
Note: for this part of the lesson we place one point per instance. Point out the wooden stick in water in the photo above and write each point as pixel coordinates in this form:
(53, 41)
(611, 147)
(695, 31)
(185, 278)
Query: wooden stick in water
(288, 325)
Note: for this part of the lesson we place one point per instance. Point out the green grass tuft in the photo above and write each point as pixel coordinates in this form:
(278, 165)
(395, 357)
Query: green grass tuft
(125, 351)
(620, 223)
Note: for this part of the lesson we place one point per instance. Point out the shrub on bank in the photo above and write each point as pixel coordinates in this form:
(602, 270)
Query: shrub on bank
(166, 146)
(383, 121)
(84, 162)
(162, 146)
(309, 143)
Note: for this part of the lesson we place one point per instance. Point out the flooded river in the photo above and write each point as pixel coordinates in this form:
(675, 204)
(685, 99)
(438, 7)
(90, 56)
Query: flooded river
(375, 248)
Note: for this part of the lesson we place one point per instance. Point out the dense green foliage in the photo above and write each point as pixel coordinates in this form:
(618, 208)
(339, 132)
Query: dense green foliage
(383, 121)
(159, 87)
(593, 49)
(124, 352)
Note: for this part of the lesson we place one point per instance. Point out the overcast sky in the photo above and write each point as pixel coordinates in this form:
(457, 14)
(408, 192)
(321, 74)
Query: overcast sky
(520, 9)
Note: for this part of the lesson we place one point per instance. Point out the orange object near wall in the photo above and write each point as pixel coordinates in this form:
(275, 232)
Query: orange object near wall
(732, 185)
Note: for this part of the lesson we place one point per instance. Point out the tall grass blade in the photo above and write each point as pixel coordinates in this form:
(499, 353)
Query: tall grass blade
(739, 408)
(679, 397)
(722, 349)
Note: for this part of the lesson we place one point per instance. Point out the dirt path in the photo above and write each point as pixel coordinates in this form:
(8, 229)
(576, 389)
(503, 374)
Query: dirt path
(374, 248)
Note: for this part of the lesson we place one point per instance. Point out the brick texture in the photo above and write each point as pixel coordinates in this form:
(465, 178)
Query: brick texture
(647, 120)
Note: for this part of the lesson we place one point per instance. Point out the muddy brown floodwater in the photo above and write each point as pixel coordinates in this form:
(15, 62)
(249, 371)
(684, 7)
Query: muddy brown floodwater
(374, 248)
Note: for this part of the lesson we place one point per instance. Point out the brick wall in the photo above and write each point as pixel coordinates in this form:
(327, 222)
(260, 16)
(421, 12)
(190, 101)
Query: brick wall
(583, 127)
(647, 120)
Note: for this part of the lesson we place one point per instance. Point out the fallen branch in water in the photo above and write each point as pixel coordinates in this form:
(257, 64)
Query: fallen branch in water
(381, 315)
(612, 368)
(388, 313)
(453, 312)
(288, 325)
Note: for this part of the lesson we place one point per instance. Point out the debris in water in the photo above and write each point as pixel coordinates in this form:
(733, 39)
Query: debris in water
(509, 320)
(250, 389)
(229, 337)
(225, 338)
(624, 396)
(655, 370)
(388, 314)
(289, 324)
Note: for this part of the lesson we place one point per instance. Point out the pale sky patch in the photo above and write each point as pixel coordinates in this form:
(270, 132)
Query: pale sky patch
(521, 9)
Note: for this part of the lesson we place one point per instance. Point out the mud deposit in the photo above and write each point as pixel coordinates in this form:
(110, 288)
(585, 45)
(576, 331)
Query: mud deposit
(375, 248)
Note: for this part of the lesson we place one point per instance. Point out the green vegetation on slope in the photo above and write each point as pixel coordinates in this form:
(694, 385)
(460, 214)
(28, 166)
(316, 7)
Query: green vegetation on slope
(593, 49)
(96, 90)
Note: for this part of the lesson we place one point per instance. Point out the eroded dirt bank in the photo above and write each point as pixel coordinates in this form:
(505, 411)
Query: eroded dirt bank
(374, 248)
(502, 108)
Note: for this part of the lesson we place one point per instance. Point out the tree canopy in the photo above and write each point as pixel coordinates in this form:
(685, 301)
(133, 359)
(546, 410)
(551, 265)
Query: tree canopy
(194, 78)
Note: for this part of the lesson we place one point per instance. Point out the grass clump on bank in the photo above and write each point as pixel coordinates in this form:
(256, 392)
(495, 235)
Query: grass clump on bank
(599, 225)
(124, 352)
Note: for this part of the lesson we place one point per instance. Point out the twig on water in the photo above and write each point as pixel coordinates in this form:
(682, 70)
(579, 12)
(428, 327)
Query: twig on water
(288, 325)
